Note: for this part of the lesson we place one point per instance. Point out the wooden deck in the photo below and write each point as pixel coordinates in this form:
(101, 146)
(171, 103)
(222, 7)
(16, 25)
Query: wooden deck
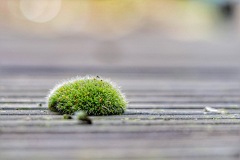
(164, 120)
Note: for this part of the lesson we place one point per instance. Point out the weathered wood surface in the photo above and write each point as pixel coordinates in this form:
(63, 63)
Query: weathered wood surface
(165, 118)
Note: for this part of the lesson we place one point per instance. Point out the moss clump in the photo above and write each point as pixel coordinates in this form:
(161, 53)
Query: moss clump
(95, 96)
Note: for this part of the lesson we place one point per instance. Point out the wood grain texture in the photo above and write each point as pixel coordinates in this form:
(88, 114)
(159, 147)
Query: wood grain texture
(164, 119)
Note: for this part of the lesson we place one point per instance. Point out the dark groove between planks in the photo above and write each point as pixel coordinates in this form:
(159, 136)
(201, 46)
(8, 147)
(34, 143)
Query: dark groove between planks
(164, 120)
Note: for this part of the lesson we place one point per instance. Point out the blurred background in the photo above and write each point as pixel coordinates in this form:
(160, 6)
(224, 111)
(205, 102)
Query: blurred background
(120, 33)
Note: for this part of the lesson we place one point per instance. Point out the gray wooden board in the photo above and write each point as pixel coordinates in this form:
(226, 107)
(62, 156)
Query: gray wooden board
(126, 122)
(164, 119)
(143, 100)
(18, 106)
(117, 117)
(125, 153)
(127, 112)
(32, 94)
(116, 128)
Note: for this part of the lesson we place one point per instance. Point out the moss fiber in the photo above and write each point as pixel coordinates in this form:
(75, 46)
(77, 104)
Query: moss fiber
(95, 96)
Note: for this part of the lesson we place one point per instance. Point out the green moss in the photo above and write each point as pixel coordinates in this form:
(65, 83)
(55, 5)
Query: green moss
(66, 116)
(92, 95)
(166, 119)
(217, 118)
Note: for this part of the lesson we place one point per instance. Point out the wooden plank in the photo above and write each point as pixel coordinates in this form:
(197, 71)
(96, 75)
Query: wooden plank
(127, 112)
(180, 106)
(27, 112)
(140, 85)
(143, 99)
(127, 153)
(122, 122)
(132, 93)
(164, 119)
(122, 117)
(69, 143)
(175, 136)
(80, 129)
(135, 87)
(24, 106)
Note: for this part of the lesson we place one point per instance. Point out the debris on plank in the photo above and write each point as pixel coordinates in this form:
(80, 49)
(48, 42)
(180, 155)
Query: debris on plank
(66, 116)
(82, 116)
(27, 119)
(214, 110)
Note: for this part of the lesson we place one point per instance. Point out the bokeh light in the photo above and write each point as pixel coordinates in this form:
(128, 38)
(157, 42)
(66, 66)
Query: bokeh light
(40, 10)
